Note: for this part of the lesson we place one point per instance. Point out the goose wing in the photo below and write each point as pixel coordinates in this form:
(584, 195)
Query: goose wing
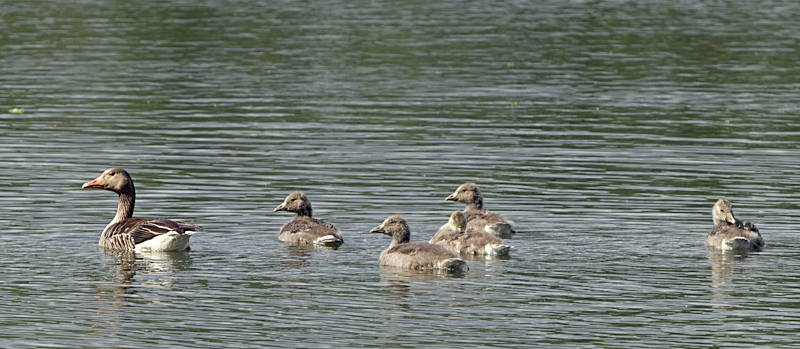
(133, 231)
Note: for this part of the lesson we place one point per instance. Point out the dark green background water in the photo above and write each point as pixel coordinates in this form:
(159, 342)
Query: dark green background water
(605, 130)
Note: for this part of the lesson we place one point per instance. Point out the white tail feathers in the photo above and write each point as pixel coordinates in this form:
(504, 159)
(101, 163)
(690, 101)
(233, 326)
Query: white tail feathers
(327, 239)
(737, 243)
(171, 241)
(498, 249)
(502, 230)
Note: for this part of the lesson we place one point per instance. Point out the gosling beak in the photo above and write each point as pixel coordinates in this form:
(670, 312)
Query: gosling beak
(451, 197)
(281, 207)
(378, 229)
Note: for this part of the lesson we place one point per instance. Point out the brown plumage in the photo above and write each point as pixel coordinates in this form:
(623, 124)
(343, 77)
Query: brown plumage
(414, 255)
(141, 234)
(303, 229)
(730, 233)
(478, 218)
(455, 237)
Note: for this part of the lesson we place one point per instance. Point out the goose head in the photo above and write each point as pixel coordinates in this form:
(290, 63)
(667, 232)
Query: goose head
(296, 202)
(458, 222)
(468, 194)
(114, 179)
(723, 212)
(396, 227)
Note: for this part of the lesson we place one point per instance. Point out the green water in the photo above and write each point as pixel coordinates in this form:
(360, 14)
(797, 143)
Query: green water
(605, 130)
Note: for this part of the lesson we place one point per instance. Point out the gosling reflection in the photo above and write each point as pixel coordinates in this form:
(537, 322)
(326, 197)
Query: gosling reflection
(723, 265)
(396, 291)
(398, 283)
(299, 256)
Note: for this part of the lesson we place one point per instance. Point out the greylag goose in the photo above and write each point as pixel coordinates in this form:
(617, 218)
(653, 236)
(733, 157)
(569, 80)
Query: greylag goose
(138, 234)
(479, 219)
(414, 255)
(730, 233)
(303, 229)
(455, 237)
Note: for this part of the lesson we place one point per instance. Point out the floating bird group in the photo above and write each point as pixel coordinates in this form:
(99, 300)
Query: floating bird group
(474, 231)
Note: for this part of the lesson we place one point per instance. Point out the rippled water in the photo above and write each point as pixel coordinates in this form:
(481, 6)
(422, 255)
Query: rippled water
(605, 130)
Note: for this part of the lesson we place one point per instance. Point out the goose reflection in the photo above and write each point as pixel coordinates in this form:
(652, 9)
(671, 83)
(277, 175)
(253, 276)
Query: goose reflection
(126, 273)
(153, 268)
(125, 262)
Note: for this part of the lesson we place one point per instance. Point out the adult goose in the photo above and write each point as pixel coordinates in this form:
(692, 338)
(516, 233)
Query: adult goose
(138, 234)
(414, 255)
(478, 218)
(303, 229)
(730, 233)
(455, 237)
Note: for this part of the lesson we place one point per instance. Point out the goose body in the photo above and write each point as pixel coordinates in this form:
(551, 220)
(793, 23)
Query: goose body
(125, 232)
(730, 233)
(415, 255)
(478, 218)
(304, 229)
(455, 237)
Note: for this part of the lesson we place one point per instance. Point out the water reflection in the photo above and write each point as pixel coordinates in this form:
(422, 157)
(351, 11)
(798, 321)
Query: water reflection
(399, 283)
(300, 255)
(396, 290)
(723, 265)
(400, 279)
(157, 268)
(124, 263)
(396, 273)
(588, 133)
(131, 273)
(481, 258)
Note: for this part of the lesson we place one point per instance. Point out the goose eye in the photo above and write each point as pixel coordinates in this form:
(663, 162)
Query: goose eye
(112, 173)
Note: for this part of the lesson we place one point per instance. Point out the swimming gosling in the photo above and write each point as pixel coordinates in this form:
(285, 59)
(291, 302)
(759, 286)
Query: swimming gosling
(303, 229)
(730, 233)
(414, 255)
(478, 218)
(455, 237)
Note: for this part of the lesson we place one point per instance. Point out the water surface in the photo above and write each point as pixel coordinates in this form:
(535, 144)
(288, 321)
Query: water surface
(605, 130)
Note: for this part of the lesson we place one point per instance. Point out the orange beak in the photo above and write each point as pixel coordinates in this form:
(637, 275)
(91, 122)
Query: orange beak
(95, 183)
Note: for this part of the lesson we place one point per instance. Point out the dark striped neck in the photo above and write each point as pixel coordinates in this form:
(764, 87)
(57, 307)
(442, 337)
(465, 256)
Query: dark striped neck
(125, 206)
